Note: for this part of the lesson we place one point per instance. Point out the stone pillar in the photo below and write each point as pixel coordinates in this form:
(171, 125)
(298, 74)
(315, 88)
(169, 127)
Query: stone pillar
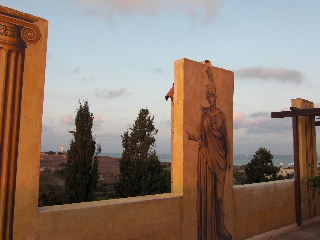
(17, 33)
(11, 68)
(195, 82)
(307, 157)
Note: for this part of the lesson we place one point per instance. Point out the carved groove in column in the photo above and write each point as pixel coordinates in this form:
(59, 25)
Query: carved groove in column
(10, 107)
(5, 138)
(3, 66)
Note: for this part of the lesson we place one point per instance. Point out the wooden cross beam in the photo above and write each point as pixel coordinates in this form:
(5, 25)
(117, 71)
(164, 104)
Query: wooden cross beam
(295, 113)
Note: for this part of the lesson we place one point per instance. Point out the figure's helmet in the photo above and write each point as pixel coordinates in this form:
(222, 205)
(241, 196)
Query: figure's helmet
(211, 87)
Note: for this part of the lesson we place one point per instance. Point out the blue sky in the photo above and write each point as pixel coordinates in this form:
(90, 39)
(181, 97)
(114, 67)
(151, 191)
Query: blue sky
(119, 55)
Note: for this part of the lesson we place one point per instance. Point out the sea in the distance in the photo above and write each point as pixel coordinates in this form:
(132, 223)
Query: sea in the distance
(278, 160)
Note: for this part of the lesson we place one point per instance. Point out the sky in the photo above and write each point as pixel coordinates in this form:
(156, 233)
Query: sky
(119, 55)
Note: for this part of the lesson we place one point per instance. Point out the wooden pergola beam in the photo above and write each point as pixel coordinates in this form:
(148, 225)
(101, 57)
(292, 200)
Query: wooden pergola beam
(296, 112)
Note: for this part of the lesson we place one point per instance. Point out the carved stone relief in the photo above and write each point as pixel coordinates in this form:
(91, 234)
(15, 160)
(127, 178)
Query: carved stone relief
(213, 162)
(16, 28)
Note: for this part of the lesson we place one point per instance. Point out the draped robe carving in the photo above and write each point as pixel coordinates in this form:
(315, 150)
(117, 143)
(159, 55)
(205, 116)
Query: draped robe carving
(213, 162)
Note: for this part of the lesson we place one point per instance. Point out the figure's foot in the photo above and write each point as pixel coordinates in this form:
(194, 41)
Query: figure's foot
(224, 235)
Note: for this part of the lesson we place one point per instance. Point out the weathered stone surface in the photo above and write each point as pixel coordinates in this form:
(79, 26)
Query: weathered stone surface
(191, 81)
(21, 96)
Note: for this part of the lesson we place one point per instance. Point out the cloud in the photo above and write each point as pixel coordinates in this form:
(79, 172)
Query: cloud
(238, 120)
(97, 120)
(275, 74)
(67, 119)
(165, 123)
(204, 8)
(88, 79)
(158, 70)
(261, 123)
(260, 114)
(111, 93)
(76, 70)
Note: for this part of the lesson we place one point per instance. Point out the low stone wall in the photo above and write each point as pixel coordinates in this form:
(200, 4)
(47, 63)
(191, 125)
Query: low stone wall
(263, 207)
(147, 217)
(260, 208)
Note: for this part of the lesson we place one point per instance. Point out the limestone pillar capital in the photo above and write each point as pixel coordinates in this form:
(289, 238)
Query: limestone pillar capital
(14, 31)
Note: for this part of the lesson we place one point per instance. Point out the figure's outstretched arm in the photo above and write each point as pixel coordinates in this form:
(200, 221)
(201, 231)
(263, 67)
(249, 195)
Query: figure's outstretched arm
(192, 137)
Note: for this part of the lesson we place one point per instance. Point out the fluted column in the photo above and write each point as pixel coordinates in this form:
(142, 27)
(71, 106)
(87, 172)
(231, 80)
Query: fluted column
(11, 69)
(15, 34)
(23, 44)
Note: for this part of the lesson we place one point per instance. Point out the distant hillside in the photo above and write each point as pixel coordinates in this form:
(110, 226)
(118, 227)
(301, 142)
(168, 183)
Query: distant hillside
(108, 166)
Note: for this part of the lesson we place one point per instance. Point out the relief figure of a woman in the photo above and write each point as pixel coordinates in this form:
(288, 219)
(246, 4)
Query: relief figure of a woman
(213, 162)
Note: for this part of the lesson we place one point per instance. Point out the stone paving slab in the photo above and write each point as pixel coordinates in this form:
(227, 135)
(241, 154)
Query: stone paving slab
(309, 232)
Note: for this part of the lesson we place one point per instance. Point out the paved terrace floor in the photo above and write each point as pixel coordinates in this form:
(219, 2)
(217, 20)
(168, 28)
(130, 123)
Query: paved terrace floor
(308, 232)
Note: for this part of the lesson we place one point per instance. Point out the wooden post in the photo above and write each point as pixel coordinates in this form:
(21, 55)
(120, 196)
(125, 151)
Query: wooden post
(295, 120)
(305, 154)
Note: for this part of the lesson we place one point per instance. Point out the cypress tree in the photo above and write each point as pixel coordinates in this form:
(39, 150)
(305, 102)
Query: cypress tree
(82, 164)
(140, 170)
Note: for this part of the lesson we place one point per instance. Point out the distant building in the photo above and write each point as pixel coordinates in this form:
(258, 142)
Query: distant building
(62, 149)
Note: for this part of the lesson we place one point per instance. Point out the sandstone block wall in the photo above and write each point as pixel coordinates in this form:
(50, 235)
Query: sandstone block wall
(262, 207)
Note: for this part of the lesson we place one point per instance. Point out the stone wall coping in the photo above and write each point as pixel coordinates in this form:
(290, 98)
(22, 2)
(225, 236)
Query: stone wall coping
(21, 15)
(110, 202)
(190, 60)
(262, 184)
